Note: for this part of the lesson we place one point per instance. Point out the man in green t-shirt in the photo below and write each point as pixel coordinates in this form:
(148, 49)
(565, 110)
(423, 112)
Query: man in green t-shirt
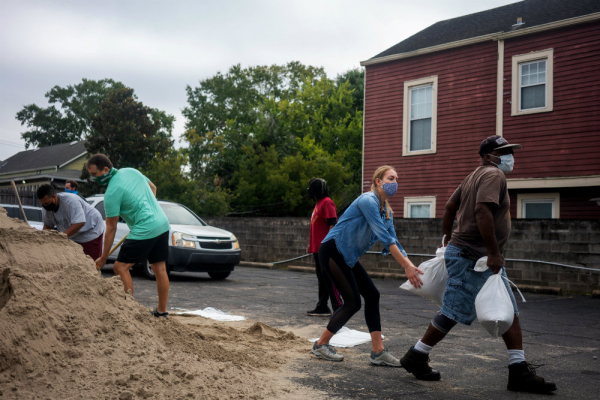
(131, 196)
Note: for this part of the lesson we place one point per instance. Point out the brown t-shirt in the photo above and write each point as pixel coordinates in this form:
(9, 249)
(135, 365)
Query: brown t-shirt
(487, 184)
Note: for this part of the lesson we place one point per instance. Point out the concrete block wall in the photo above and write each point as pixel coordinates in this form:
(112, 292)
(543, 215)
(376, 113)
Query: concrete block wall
(572, 242)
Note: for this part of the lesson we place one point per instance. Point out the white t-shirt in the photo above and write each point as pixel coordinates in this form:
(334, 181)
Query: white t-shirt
(73, 209)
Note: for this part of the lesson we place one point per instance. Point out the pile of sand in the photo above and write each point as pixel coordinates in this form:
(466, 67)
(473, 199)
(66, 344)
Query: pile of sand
(66, 332)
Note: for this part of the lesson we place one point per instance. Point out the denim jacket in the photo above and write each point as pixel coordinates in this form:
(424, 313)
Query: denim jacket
(360, 227)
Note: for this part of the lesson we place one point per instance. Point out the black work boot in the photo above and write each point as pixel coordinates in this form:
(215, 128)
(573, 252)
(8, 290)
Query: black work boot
(416, 363)
(522, 378)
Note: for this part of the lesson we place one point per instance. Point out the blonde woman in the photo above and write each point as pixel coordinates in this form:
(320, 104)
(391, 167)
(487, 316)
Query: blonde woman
(367, 221)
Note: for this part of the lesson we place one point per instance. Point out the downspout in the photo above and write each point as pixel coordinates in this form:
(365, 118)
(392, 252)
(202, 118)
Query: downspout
(500, 88)
(362, 179)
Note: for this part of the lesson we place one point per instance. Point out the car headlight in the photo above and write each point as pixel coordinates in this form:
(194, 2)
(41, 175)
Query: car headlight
(180, 241)
(236, 244)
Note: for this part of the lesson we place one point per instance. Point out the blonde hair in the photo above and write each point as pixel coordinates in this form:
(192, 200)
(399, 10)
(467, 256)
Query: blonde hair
(379, 174)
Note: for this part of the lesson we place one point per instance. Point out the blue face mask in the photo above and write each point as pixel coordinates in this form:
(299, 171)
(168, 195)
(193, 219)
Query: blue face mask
(71, 191)
(507, 163)
(390, 188)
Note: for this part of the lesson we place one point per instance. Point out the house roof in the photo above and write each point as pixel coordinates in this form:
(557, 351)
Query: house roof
(501, 19)
(60, 175)
(44, 157)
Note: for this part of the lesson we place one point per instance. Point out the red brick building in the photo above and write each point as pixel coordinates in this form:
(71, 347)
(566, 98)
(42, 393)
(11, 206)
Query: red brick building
(529, 71)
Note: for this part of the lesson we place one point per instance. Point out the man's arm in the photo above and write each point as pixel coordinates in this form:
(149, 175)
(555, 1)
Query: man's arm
(485, 223)
(152, 187)
(448, 220)
(109, 238)
(73, 229)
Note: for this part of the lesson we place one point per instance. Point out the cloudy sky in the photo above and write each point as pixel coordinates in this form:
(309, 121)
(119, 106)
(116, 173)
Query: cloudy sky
(159, 47)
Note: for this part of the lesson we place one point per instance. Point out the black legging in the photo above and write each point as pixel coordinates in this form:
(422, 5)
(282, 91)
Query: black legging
(351, 283)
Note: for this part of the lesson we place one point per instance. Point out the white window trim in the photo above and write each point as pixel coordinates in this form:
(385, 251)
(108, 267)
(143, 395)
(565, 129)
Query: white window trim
(419, 200)
(431, 80)
(555, 197)
(548, 55)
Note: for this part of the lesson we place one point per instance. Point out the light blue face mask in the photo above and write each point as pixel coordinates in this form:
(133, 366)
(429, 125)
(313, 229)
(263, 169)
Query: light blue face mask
(507, 163)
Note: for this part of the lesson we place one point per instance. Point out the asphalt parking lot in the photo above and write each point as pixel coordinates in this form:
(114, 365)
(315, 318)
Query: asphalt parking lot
(561, 332)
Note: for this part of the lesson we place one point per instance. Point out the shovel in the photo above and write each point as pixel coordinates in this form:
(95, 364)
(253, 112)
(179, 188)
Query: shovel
(115, 247)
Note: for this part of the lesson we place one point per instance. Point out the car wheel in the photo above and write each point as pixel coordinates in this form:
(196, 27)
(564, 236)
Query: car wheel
(219, 275)
(150, 274)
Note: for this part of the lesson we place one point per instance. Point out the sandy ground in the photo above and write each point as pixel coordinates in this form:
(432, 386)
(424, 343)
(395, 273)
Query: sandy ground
(68, 333)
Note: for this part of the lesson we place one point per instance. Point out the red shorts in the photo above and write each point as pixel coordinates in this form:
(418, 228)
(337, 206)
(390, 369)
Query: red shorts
(93, 248)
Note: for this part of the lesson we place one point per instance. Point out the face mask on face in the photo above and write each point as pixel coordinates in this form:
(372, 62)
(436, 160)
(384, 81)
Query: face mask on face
(104, 179)
(507, 163)
(53, 207)
(390, 188)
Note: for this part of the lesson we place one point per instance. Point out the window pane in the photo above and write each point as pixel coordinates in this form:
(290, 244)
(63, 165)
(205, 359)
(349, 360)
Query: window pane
(542, 77)
(538, 210)
(33, 215)
(525, 80)
(420, 210)
(525, 69)
(420, 134)
(100, 208)
(533, 97)
(542, 66)
(533, 68)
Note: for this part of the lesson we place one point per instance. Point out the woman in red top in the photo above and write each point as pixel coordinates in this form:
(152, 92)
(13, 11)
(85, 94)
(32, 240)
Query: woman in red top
(324, 217)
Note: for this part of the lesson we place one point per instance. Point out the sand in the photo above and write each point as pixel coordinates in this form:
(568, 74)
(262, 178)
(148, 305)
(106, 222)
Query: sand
(68, 333)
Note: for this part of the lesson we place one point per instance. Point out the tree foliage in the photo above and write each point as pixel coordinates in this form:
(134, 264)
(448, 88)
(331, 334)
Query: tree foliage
(172, 183)
(262, 132)
(69, 116)
(128, 132)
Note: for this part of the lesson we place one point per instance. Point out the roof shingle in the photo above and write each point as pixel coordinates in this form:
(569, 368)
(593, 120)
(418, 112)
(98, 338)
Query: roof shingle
(501, 19)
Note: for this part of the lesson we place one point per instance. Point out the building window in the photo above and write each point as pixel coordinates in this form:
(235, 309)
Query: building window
(419, 207)
(538, 205)
(532, 82)
(420, 116)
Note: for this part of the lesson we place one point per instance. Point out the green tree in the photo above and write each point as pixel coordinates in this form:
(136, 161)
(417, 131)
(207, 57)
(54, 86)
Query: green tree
(224, 110)
(264, 148)
(167, 172)
(128, 132)
(356, 80)
(69, 116)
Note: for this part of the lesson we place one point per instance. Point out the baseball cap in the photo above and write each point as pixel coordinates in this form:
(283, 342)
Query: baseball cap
(495, 142)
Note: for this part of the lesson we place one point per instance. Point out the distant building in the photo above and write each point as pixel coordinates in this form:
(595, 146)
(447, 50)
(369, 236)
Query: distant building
(51, 164)
(528, 71)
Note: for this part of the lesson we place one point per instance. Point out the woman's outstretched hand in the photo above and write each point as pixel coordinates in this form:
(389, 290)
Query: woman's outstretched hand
(412, 273)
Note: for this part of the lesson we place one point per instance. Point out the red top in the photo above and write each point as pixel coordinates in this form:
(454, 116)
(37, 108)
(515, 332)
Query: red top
(319, 227)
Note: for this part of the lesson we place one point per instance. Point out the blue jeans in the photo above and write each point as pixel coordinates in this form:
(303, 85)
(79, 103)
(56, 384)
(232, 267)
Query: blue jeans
(463, 285)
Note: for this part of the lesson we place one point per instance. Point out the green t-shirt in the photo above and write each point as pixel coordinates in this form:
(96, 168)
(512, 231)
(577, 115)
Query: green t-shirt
(128, 195)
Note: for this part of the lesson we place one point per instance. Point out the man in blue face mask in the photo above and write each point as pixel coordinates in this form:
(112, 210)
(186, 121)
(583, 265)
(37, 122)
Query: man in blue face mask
(481, 207)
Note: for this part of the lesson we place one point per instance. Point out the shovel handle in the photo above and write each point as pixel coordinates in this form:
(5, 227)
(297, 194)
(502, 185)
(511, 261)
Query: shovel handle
(116, 246)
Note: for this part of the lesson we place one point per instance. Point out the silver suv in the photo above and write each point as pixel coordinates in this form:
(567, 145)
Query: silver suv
(193, 245)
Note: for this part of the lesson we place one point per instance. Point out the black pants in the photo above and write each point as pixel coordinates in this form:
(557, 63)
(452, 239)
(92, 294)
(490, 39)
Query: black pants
(351, 283)
(326, 289)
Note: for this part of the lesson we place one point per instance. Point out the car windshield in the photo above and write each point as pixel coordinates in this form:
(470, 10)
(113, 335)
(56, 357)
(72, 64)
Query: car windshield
(178, 215)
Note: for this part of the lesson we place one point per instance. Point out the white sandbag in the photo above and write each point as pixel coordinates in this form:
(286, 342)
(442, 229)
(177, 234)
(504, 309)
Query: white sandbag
(434, 278)
(348, 338)
(494, 308)
(481, 264)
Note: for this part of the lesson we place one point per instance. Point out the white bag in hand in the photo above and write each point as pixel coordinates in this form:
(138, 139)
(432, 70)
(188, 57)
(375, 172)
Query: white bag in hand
(494, 308)
(434, 278)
